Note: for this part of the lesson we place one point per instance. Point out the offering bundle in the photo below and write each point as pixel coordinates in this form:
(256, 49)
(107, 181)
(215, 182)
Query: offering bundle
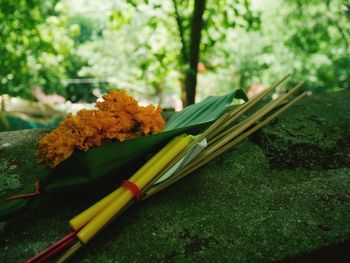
(104, 145)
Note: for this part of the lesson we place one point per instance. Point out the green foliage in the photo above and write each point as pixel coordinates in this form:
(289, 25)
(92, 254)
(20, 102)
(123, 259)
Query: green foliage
(309, 39)
(204, 111)
(88, 29)
(137, 45)
(141, 44)
(222, 17)
(321, 43)
(36, 47)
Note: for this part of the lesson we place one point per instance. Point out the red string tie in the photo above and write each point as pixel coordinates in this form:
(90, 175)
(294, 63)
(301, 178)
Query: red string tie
(133, 188)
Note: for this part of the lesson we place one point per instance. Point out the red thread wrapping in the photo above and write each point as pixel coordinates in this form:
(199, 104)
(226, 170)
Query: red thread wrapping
(133, 188)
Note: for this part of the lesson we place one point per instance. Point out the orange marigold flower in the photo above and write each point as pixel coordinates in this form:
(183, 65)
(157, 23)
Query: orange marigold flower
(118, 117)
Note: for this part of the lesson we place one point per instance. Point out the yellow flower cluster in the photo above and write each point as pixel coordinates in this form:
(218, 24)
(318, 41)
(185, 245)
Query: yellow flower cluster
(118, 117)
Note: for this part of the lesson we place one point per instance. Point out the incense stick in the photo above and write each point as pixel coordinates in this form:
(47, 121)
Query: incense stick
(70, 252)
(249, 132)
(260, 113)
(235, 114)
(187, 170)
(250, 121)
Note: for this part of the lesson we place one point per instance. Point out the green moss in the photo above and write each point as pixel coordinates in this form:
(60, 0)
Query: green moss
(8, 179)
(315, 134)
(17, 149)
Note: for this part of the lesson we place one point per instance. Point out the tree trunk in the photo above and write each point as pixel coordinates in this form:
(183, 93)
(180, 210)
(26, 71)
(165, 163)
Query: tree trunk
(191, 72)
(184, 52)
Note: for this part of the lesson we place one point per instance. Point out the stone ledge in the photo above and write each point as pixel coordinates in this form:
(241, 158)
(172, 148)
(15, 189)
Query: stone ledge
(249, 205)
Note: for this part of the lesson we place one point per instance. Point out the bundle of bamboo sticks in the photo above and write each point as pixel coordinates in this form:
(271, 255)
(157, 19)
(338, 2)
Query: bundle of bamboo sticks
(222, 135)
(225, 133)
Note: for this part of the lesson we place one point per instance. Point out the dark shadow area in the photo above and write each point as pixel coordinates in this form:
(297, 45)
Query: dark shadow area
(335, 253)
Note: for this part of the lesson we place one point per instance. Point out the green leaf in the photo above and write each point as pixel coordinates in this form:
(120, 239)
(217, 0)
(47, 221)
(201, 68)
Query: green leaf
(110, 163)
(205, 111)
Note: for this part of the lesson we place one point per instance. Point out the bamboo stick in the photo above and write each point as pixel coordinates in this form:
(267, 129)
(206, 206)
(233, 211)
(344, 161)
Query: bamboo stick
(197, 139)
(225, 132)
(249, 132)
(187, 171)
(83, 218)
(222, 121)
(235, 127)
(70, 252)
(235, 114)
(141, 180)
(250, 121)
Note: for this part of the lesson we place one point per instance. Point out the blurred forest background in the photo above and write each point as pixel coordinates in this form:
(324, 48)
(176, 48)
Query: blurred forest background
(70, 48)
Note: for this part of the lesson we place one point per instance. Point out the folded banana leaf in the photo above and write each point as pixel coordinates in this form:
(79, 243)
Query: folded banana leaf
(113, 162)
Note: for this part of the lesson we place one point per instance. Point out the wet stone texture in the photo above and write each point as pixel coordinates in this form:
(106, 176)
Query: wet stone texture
(282, 193)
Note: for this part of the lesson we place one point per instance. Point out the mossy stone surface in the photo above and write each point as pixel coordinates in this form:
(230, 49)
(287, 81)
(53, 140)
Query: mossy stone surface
(314, 135)
(283, 192)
